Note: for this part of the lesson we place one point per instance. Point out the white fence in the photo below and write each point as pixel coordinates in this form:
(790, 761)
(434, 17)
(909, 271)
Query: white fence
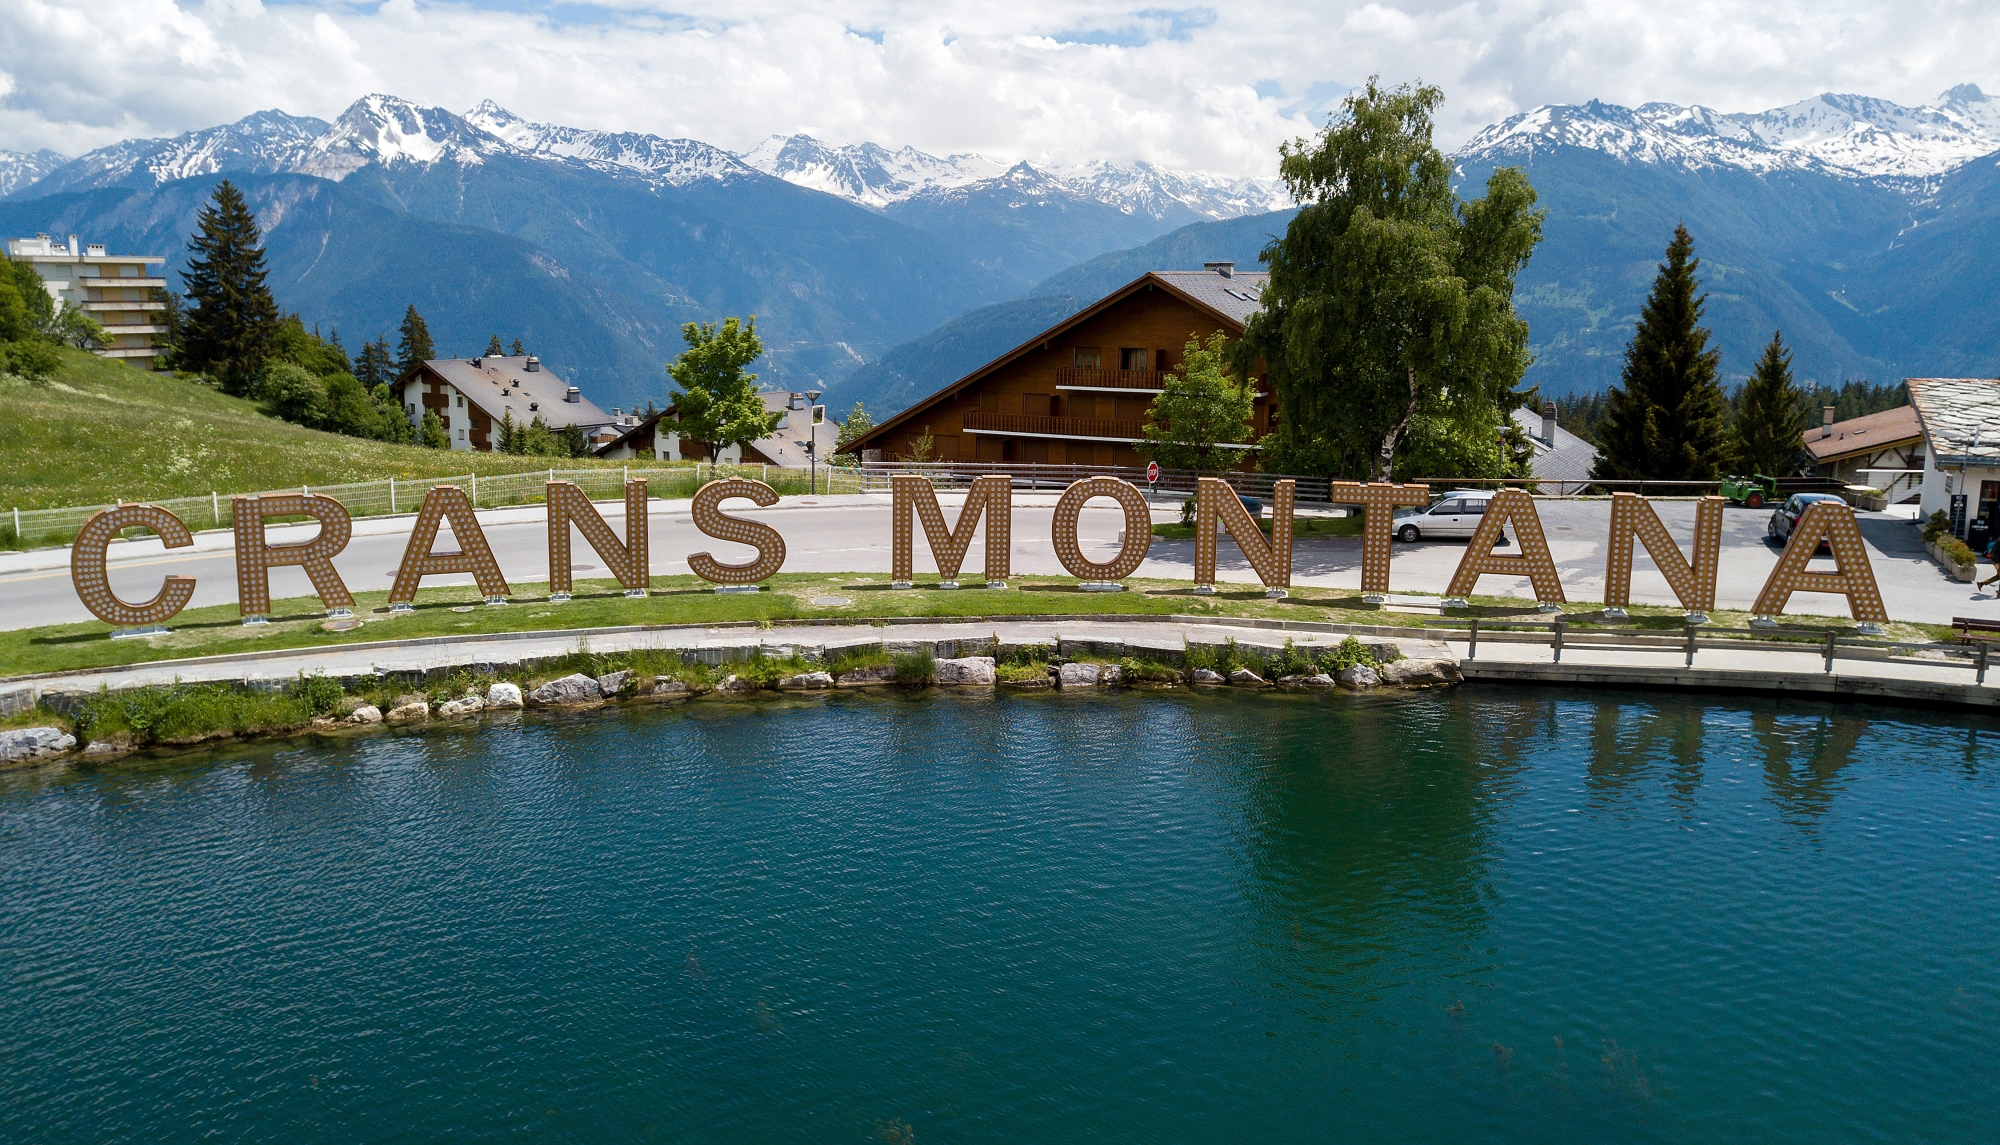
(23, 528)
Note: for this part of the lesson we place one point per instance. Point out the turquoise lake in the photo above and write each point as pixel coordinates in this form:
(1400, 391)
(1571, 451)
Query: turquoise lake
(1489, 915)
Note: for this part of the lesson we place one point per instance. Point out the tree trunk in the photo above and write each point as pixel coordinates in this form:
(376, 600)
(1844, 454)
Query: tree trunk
(1385, 454)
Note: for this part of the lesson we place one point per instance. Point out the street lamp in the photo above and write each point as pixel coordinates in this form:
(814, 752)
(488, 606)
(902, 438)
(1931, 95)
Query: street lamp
(811, 444)
(812, 460)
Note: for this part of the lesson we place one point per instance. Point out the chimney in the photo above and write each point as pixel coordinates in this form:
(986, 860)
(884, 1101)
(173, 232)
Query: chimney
(573, 396)
(1549, 424)
(534, 364)
(1225, 269)
(1826, 421)
(72, 244)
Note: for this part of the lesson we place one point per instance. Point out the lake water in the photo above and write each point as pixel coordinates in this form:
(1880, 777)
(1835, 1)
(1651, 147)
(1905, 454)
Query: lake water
(1489, 916)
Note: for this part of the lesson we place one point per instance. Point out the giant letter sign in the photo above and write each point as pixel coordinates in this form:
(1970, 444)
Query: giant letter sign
(1378, 501)
(992, 496)
(1215, 502)
(629, 562)
(1138, 529)
(447, 502)
(713, 521)
(1853, 576)
(256, 557)
(1633, 520)
(93, 587)
(1516, 507)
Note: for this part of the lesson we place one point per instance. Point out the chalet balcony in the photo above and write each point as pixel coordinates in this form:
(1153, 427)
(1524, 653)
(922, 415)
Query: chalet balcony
(1071, 428)
(1117, 381)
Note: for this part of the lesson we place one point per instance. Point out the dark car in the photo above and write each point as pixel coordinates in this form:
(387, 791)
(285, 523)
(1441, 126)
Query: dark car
(1786, 516)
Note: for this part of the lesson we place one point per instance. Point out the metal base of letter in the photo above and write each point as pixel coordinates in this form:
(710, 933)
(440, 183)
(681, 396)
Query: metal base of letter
(1204, 590)
(1867, 628)
(1763, 622)
(496, 601)
(1696, 618)
(142, 630)
(1277, 594)
(636, 594)
(1374, 598)
(732, 589)
(1100, 586)
(1615, 613)
(901, 584)
(558, 598)
(401, 609)
(255, 621)
(1453, 602)
(947, 584)
(996, 584)
(340, 614)
(1548, 606)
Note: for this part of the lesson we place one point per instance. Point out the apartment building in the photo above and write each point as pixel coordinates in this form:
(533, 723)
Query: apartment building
(472, 396)
(125, 293)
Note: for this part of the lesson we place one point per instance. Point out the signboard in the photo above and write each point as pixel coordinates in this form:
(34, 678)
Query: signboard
(1152, 473)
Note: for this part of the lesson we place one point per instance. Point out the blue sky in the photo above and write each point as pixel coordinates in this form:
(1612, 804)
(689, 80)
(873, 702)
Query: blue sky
(1211, 87)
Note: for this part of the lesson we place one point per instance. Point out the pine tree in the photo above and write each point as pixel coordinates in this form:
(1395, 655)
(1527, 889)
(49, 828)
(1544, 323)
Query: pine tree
(374, 366)
(231, 317)
(432, 433)
(509, 433)
(1768, 426)
(1667, 419)
(416, 348)
(493, 349)
(517, 349)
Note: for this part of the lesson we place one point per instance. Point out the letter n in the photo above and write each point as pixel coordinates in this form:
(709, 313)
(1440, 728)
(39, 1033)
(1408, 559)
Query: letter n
(629, 561)
(1215, 502)
(1633, 520)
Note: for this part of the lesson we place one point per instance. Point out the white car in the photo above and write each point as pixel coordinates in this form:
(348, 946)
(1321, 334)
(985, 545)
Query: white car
(1454, 514)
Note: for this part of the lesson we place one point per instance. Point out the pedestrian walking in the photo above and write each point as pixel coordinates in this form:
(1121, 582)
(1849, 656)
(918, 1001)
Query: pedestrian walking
(1992, 554)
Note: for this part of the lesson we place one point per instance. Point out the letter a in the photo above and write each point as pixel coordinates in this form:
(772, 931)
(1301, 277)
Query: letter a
(1633, 520)
(628, 561)
(1509, 506)
(442, 503)
(1853, 576)
(1378, 501)
(1215, 501)
(991, 496)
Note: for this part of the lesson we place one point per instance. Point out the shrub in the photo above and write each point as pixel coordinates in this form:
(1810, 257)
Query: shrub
(1188, 513)
(35, 359)
(855, 659)
(320, 694)
(1149, 671)
(1225, 659)
(1937, 525)
(184, 712)
(916, 669)
(1957, 550)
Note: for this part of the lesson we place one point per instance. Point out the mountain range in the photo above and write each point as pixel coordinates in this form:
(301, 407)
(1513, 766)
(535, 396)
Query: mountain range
(1862, 228)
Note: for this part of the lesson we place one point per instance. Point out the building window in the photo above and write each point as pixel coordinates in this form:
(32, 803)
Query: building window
(461, 401)
(1086, 357)
(1134, 359)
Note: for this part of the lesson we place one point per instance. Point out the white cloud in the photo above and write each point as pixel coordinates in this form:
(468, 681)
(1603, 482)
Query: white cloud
(1034, 79)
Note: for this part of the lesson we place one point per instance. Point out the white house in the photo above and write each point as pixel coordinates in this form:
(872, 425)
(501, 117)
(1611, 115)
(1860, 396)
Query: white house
(473, 396)
(1961, 452)
(123, 292)
(658, 437)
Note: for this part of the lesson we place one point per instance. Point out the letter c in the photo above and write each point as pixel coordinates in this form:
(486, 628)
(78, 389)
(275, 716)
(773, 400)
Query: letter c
(93, 587)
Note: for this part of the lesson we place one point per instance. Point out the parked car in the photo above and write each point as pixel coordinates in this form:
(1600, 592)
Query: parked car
(1786, 516)
(1454, 514)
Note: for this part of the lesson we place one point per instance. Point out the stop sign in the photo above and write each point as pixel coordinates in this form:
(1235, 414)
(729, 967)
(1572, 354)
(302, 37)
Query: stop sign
(1152, 472)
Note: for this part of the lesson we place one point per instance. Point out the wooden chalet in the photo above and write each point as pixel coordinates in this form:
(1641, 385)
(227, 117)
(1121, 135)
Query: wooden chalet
(1079, 392)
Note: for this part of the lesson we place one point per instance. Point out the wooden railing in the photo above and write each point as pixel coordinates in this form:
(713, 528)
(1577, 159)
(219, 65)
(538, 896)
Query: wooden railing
(1054, 426)
(1111, 379)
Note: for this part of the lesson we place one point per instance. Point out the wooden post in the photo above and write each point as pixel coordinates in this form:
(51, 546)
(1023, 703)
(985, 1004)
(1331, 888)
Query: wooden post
(1560, 624)
(1831, 636)
(1472, 648)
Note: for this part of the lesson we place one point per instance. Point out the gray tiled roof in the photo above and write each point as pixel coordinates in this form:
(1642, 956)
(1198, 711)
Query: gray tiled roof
(1570, 458)
(1956, 412)
(484, 384)
(1239, 296)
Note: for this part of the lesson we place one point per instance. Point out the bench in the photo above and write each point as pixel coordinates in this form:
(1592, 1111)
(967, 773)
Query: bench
(1972, 631)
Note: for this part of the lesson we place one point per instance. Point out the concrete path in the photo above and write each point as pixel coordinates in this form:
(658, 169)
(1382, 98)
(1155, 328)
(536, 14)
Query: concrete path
(851, 533)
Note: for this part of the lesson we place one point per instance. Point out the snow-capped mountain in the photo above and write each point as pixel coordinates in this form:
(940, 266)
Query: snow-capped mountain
(389, 130)
(21, 168)
(677, 161)
(1843, 135)
(875, 176)
(866, 173)
(265, 141)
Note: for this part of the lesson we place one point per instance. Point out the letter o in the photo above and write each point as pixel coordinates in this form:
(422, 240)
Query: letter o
(93, 586)
(1138, 528)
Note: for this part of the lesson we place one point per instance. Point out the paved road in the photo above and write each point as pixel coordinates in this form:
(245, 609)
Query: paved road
(851, 534)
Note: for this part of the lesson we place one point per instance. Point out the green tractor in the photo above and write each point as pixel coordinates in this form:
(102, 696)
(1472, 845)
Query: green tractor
(1750, 492)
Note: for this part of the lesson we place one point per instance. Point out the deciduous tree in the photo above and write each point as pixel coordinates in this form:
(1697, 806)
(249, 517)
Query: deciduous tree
(1667, 417)
(717, 401)
(852, 427)
(231, 316)
(1200, 411)
(1390, 299)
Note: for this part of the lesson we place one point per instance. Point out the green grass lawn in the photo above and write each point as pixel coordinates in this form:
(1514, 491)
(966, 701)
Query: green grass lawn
(102, 431)
(297, 623)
